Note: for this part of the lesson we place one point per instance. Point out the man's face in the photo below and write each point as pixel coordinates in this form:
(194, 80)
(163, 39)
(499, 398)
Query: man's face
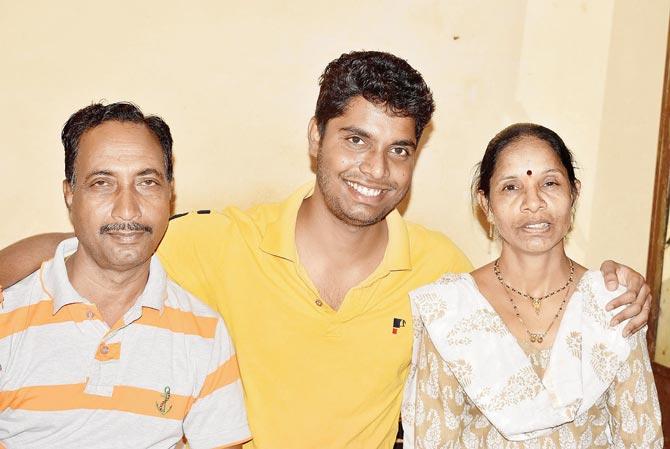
(365, 159)
(120, 202)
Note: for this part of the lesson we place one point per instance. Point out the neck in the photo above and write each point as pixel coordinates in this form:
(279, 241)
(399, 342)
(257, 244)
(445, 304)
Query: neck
(332, 236)
(535, 274)
(113, 292)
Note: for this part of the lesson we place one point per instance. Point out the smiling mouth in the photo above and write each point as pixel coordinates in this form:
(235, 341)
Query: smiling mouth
(127, 236)
(365, 191)
(542, 226)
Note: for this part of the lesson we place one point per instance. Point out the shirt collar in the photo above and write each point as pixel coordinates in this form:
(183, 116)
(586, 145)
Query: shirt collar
(279, 239)
(56, 284)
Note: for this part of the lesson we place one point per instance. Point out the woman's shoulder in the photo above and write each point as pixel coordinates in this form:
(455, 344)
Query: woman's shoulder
(594, 296)
(592, 284)
(452, 294)
(447, 282)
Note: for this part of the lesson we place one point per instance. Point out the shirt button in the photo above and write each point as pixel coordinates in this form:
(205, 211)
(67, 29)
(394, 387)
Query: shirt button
(318, 302)
(104, 349)
(90, 315)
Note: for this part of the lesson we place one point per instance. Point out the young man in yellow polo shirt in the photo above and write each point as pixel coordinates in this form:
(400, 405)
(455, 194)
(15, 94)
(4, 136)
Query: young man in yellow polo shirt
(314, 288)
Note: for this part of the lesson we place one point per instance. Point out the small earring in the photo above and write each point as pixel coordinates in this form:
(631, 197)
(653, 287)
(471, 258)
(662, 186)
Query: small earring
(491, 227)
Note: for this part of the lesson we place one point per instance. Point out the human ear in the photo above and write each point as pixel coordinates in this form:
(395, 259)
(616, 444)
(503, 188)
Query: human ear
(575, 191)
(67, 193)
(313, 137)
(483, 202)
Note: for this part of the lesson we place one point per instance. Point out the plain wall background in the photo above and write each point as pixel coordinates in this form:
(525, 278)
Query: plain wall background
(237, 82)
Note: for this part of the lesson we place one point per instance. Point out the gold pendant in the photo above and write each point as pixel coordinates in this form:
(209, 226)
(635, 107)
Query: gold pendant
(537, 303)
(535, 338)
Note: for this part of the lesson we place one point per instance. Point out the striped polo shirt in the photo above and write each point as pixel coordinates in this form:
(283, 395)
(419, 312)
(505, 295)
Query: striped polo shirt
(166, 370)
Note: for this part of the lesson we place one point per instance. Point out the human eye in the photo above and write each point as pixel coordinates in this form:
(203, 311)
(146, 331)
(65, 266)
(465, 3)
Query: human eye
(551, 182)
(400, 152)
(509, 187)
(356, 140)
(149, 182)
(99, 183)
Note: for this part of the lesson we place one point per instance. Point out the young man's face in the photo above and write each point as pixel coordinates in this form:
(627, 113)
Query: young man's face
(120, 203)
(365, 159)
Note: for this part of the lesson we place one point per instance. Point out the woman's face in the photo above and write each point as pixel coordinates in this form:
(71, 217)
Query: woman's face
(530, 199)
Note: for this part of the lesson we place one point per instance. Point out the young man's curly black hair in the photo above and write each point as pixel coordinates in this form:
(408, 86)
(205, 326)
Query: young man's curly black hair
(380, 78)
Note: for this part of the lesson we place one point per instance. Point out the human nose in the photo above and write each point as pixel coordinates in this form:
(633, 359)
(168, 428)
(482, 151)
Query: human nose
(375, 165)
(126, 205)
(533, 201)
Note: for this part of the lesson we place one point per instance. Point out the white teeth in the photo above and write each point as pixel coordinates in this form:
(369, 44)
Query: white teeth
(365, 191)
(537, 226)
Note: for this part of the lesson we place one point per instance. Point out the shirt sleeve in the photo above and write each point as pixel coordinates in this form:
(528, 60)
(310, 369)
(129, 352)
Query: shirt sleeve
(632, 401)
(218, 417)
(194, 249)
(450, 257)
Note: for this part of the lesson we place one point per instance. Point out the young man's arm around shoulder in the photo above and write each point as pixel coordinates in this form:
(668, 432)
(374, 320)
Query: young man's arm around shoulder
(25, 256)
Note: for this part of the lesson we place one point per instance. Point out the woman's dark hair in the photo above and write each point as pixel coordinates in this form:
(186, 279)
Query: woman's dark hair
(96, 114)
(512, 134)
(382, 79)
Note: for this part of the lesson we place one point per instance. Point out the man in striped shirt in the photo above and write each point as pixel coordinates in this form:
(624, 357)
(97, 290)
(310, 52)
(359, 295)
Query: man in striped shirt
(98, 349)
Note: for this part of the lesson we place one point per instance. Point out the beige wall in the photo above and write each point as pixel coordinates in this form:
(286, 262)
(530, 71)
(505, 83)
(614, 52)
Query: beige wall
(237, 81)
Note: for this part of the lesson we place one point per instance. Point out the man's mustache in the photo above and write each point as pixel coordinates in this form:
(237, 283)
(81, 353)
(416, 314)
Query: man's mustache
(129, 226)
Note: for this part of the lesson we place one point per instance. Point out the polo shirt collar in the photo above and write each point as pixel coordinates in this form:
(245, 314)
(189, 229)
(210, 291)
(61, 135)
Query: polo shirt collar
(279, 239)
(56, 283)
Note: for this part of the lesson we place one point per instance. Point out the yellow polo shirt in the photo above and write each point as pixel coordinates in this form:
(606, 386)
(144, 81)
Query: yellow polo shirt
(313, 377)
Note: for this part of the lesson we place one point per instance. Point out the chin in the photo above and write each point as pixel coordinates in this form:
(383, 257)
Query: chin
(360, 219)
(541, 246)
(128, 258)
(356, 214)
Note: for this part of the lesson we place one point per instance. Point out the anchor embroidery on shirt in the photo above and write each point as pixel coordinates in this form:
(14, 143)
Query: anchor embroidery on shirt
(163, 406)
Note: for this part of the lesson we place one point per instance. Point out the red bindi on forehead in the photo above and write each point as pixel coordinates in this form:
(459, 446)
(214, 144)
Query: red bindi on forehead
(529, 172)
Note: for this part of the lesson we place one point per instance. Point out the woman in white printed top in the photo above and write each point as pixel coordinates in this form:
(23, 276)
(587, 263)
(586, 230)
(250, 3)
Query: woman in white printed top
(519, 353)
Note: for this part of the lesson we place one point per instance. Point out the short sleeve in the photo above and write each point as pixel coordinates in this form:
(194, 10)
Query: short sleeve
(457, 261)
(218, 417)
(193, 250)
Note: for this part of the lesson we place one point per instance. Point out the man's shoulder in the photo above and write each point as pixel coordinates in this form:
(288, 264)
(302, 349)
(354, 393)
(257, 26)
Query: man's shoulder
(209, 221)
(427, 239)
(434, 247)
(22, 293)
(182, 300)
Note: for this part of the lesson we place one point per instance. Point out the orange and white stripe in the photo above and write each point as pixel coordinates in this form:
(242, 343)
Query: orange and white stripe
(165, 370)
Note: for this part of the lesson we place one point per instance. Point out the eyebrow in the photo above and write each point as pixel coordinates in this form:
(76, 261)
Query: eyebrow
(361, 132)
(145, 172)
(98, 173)
(512, 177)
(151, 171)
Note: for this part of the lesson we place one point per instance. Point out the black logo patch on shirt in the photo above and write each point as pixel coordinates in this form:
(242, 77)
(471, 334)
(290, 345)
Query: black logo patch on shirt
(397, 324)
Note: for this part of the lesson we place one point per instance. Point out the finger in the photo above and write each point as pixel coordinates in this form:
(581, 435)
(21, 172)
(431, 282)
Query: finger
(629, 312)
(637, 323)
(623, 299)
(608, 268)
(633, 281)
(644, 296)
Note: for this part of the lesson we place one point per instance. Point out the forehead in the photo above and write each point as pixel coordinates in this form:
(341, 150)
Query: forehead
(373, 118)
(116, 146)
(528, 153)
